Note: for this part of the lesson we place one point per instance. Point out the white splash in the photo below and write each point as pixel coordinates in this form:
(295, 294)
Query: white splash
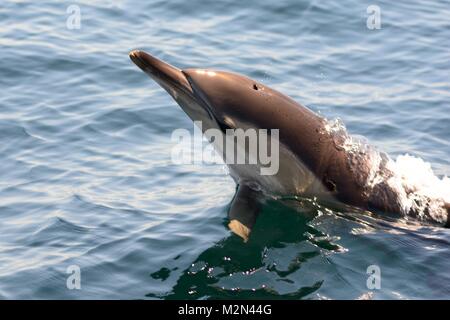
(418, 191)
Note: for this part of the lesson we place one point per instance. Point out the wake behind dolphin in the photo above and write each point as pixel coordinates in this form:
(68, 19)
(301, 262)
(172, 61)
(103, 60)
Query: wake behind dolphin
(317, 158)
(406, 185)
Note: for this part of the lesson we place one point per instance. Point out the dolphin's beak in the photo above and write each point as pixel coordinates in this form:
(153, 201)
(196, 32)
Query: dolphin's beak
(170, 78)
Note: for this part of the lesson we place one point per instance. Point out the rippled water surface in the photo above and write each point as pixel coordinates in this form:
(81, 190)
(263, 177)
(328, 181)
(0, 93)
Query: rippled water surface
(85, 139)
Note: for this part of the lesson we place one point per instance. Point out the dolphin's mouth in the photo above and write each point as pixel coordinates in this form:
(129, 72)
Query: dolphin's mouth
(170, 78)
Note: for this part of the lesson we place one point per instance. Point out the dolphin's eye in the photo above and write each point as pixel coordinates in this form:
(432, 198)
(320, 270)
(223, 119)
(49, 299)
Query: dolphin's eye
(255, 87)
(329, 184)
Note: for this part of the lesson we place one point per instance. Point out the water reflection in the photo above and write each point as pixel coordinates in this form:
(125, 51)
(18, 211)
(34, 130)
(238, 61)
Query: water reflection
(279, 260)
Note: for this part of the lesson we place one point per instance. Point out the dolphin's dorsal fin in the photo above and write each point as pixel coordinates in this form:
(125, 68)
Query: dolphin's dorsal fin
(244, 210)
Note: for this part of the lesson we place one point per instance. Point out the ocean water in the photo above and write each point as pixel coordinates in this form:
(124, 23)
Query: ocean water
(85, 149)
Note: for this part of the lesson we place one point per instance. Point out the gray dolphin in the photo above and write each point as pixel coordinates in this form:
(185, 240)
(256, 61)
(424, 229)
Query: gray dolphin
(313, 159)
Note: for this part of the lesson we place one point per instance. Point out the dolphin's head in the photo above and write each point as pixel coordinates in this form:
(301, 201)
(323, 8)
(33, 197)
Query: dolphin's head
(219, 99)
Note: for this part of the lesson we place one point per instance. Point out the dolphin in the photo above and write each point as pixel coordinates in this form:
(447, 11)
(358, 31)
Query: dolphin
(315, 159)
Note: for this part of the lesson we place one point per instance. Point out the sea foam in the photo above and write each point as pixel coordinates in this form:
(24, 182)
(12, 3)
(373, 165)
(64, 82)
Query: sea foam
(409, 181)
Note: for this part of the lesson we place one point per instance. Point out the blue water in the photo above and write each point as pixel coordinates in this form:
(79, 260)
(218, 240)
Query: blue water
(86, 171)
